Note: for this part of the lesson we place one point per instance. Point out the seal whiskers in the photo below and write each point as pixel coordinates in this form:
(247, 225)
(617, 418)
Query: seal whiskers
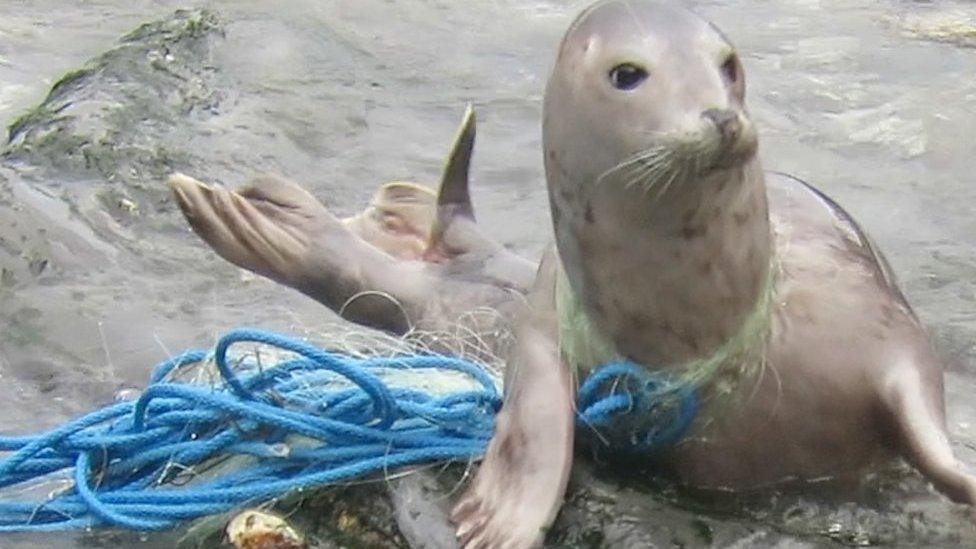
(662, 165)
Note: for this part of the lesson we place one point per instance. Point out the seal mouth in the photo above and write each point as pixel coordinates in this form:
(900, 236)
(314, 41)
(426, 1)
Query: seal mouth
(734, 153)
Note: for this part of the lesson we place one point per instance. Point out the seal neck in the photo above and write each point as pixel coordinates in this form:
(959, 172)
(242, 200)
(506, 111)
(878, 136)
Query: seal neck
(584, 346)
(671, 281)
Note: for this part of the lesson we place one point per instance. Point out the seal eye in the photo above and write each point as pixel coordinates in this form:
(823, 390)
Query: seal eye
(627, 76)
(730, 68)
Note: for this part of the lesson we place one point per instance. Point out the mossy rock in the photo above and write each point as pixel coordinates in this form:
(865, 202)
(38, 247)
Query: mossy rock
(110, 120)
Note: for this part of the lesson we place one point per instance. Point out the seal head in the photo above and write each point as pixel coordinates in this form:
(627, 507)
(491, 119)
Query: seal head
(646, 133)
(639, 82)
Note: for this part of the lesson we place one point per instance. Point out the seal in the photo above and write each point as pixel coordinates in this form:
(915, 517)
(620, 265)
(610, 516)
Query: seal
(673, 250)
(685, 257)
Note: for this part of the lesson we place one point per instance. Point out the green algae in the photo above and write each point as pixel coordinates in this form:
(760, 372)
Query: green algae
(957, 27)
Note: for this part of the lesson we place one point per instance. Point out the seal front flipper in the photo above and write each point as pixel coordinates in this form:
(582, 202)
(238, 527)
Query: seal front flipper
(913, 400)
(522, 480)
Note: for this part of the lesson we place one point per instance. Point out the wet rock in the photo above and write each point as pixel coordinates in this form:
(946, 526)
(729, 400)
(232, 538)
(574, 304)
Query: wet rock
(328, 518)
(123, 117)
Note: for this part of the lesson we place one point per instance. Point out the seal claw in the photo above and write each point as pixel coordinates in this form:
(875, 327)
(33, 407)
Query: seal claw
(473, 524)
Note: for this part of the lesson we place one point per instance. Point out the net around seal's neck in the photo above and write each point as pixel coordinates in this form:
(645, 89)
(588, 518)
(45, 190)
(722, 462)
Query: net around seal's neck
(583, 347)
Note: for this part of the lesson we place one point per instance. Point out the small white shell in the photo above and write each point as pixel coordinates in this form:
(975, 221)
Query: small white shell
(253, 529)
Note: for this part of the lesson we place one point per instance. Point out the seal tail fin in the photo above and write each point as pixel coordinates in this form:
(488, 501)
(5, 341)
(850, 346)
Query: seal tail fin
(454, 228)
(921, 432)
(398, 219)
(454, 188)
(247, 227)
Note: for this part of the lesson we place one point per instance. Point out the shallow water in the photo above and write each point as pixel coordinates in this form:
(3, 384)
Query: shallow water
(872, 101)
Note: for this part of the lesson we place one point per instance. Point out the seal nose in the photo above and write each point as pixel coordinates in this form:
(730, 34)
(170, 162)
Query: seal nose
(727, 122)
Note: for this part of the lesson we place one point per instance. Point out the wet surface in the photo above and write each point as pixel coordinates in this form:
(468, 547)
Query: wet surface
(874, 102)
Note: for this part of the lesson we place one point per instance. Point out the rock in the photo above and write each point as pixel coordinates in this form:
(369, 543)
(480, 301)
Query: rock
(124, 118)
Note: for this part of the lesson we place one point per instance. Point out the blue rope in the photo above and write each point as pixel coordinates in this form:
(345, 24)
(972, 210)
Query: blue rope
(131, 464)
(631, 410)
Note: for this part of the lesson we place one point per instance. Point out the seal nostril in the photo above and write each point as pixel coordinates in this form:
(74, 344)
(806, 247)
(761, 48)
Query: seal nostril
(730, 68)
(726, 120)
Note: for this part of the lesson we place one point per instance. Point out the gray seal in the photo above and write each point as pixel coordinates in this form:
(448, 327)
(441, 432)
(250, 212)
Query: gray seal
(681, 254)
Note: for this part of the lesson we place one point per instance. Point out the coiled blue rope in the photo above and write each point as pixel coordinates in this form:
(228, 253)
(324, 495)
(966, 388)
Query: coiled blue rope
(127, 463)
(631, 410)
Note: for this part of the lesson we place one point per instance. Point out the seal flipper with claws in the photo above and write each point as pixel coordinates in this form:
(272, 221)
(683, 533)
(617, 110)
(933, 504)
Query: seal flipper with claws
(521, 482)
(910, 389)
(408, 260)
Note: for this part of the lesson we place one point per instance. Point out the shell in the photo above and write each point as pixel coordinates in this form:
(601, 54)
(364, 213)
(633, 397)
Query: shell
(253, 529)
